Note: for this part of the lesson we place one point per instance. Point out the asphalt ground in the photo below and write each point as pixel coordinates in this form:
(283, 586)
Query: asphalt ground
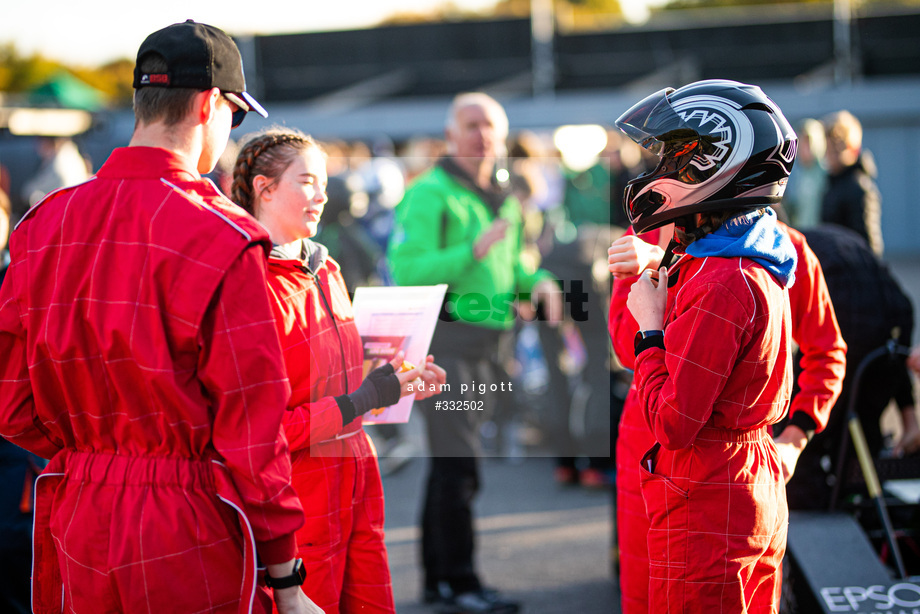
(543, 544)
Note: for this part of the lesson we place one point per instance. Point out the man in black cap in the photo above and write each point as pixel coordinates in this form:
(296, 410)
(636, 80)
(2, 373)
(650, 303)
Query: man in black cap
(141, 358)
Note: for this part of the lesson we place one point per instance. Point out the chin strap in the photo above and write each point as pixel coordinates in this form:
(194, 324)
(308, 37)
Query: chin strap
(668, 254)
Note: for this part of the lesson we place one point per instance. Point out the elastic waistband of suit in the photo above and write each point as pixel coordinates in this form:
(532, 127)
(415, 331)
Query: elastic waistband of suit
(708, 433)
(118, 469)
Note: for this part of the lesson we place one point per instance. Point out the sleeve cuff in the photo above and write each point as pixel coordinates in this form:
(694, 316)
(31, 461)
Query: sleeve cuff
(388, 389)
(346, 408)
(275, 551)
(655, 341)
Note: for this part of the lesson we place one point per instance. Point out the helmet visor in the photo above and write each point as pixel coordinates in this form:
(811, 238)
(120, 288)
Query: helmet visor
(655, 125)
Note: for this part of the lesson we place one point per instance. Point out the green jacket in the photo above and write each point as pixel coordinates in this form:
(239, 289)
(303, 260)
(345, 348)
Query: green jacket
(437, 223)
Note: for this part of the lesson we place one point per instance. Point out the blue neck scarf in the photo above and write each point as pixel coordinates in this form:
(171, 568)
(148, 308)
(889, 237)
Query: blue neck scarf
(753, 235)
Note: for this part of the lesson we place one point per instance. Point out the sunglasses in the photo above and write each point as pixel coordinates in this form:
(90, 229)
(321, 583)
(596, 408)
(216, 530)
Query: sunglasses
(241, 109)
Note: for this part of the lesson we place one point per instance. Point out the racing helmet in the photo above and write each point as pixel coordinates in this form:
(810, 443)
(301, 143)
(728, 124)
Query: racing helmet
(721, 146)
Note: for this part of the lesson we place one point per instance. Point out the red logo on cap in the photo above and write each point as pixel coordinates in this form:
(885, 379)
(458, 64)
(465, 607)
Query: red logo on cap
(157, 79)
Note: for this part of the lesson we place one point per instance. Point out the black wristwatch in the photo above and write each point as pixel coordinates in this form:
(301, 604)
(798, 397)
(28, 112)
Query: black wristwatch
(296, 578)
(642, 335)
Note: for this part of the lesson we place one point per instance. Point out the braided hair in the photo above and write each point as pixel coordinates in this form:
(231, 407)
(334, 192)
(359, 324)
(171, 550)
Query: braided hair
(267, 153)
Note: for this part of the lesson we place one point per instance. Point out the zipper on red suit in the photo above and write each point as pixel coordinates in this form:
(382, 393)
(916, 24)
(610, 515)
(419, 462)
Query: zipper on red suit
(338, 334)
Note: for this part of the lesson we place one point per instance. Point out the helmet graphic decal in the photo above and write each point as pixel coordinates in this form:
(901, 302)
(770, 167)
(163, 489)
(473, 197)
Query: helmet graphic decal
(781, 157)
(784, 152)
(722, 130)
(724, 144)
(726, 136)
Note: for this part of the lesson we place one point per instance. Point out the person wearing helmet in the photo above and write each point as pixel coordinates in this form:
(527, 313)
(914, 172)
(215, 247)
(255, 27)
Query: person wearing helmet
(819, 383)
(713, 354)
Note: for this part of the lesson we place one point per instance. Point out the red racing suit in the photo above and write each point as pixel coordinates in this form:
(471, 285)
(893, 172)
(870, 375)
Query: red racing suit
(140, 356)
(633, 440)
(335, 469)
(823, 351)
(815, 330)
(712, 485)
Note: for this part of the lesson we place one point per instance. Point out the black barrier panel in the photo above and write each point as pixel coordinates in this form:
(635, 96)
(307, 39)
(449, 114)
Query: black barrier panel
(428, 59)
(888, 45)
(832, 554)
(446, 58)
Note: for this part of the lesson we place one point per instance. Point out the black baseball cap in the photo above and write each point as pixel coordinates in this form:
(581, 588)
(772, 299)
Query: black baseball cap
(197, 56)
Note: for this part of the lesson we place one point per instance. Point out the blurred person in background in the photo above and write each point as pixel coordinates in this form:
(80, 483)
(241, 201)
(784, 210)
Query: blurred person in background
(539, 165)
(222, 175)
(535, 363)
(359, 153)
(626, 160)
(871, 308)
(62, 165)
(420, 153)
(586, 413)
(914, 361)
(526, 186)
(336, 157)
(586, 195)
(459, 224)
(5, 181)
(280, 178)
(384, 183)
(808, 181)
(18, 470)
(852, 199)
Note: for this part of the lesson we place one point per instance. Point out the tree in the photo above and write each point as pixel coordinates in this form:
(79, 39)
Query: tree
(114, 79)
(445, 11)
(575, 14)
(701, 4)
(21, 74)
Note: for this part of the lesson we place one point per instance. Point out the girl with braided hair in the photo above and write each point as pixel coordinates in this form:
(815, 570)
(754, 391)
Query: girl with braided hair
(280, 178)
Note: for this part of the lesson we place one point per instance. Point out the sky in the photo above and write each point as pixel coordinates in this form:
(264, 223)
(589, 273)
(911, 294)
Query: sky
(93, 32)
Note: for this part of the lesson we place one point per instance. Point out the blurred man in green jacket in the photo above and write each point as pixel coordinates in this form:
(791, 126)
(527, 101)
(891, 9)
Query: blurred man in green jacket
(458, 224)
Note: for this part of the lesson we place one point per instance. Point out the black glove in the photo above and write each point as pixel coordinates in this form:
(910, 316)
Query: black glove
(379, 389)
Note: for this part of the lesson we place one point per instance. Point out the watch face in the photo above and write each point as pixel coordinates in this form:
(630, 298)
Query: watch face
(300, 571)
